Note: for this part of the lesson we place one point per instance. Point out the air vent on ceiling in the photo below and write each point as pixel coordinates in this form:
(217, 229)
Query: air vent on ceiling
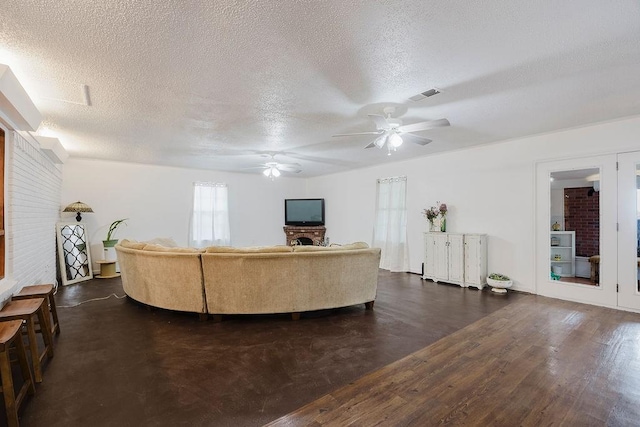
(66, 92)
(425, 94)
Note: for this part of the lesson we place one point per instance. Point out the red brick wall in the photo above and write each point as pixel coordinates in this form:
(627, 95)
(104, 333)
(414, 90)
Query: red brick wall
(582, 215)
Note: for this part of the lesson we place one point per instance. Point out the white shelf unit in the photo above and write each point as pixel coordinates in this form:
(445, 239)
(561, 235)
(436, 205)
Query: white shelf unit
(565, 249)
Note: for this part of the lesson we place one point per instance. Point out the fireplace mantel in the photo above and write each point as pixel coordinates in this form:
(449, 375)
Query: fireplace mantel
(314, 234)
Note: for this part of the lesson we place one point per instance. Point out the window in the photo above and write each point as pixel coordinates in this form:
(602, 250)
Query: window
(390, 229)
(210, 215)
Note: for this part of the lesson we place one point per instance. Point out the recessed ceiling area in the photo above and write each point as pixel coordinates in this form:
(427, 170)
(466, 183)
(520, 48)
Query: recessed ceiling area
(225, 85)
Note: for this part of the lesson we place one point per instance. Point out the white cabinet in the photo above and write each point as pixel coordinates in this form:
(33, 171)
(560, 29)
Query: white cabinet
(456, 258)
(563, 253)
(444, 257)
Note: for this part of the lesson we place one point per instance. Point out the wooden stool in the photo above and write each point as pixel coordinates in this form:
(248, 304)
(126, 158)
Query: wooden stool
(26, 310)
(10, 334)
(42, 291)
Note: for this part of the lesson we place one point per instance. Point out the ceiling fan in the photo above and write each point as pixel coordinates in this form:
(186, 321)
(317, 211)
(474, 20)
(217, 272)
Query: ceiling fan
(274, 169)
(392, 133)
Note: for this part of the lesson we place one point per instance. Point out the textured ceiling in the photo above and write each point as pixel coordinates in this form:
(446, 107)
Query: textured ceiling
(215, 85)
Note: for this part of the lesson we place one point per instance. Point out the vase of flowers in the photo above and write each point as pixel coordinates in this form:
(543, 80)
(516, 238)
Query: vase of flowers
(437, 217)
(432, 215)
(443, 217)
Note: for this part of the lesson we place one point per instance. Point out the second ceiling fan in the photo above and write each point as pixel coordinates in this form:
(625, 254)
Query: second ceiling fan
(392, 133)
(273, 169)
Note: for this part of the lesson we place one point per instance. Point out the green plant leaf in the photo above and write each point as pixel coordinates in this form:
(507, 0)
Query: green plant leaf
(114, 226)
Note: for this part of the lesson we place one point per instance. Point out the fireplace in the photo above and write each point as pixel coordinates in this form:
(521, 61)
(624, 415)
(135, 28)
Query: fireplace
(299, 235)
(304, 241)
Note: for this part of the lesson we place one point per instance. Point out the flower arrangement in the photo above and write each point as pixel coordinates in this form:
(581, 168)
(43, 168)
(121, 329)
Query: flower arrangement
(439, 210)
(431, 213)
(443, 208)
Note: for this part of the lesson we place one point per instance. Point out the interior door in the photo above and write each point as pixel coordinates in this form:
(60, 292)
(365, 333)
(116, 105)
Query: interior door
(590, 178)
(629, 230)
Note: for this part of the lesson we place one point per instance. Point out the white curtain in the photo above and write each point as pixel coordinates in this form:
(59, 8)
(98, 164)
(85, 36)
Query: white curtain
(390, 230)
(209, 216)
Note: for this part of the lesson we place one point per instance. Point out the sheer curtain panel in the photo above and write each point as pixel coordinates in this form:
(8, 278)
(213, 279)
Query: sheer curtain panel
(390, 230)
(209, 216)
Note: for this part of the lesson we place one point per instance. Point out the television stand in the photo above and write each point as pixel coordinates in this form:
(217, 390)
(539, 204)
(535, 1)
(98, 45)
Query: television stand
(313, 233)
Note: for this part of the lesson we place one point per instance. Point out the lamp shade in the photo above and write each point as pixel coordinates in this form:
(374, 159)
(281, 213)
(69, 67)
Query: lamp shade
(78, 207)
(271, 172)
(395, 140)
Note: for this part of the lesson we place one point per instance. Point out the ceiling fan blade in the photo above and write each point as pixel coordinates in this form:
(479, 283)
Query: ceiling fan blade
(380, 121)
(290, 167)
(430, 124)
(416, 139)
(358, 133)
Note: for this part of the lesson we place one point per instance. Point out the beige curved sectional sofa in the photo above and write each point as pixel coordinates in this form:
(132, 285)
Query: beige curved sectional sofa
(225, 280)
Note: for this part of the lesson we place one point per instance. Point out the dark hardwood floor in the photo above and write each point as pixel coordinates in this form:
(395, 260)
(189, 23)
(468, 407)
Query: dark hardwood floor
(537, 362)
(427, 354)
(118, 364)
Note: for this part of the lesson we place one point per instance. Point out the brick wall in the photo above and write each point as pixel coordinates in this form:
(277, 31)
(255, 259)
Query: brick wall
(582, 215)
(34, 186)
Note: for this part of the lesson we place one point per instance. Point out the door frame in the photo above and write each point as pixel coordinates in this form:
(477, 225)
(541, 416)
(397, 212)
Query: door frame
(605, 294)
(628, 294)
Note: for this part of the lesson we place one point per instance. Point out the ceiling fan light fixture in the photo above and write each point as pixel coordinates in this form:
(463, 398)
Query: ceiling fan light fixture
(379, 142)
(395, 140)
(271, 172)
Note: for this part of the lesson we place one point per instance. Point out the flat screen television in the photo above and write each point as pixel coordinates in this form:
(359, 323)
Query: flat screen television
(304, 212)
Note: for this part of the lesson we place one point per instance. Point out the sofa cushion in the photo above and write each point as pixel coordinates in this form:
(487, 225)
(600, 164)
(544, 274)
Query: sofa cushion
(355, 245)
(351, 246)
(248, 250)
(160, 248)
(132, 244)
(163, 241)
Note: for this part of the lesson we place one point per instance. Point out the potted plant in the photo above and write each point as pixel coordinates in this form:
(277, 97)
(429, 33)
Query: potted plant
(499, 283)
(110, 242)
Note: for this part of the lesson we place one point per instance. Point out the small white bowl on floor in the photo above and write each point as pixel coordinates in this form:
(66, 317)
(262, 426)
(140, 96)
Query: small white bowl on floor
(499, 286)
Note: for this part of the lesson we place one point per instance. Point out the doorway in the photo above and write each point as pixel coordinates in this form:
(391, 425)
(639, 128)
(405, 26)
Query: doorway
(588, 230)
(576, 240)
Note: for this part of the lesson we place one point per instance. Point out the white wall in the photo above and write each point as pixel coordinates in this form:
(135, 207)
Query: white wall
(488, 189)
(157, 201)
